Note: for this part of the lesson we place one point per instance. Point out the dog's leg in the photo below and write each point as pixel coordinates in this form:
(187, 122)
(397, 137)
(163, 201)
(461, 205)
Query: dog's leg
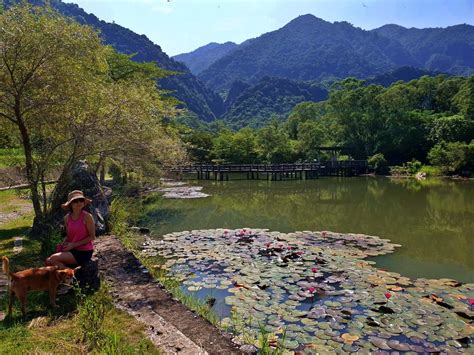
(22, 299)
(10, 302)
(52, 296)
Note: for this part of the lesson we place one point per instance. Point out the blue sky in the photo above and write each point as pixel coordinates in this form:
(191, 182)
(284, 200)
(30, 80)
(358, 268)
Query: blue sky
(180, 26)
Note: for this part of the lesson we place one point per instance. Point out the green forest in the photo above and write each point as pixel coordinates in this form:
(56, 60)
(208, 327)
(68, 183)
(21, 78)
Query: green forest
(428, 121)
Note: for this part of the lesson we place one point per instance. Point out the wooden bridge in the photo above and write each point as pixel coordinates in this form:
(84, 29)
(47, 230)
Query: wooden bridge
(297, 171)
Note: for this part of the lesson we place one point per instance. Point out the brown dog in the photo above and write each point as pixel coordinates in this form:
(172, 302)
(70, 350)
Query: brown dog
(40, 279)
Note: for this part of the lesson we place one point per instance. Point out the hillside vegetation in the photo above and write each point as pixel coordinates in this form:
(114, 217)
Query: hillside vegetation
(309, 48)
(429, 120)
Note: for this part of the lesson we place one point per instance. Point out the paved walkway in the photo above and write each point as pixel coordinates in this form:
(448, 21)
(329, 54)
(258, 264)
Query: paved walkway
(172, 327)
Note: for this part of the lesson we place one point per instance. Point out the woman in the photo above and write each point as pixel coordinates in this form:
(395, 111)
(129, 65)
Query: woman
(77, 247)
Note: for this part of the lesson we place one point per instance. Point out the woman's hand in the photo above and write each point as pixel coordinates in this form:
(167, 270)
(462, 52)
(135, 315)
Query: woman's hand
(68, 246)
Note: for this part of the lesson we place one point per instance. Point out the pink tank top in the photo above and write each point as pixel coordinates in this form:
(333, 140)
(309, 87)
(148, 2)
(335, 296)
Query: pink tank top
(76, 231)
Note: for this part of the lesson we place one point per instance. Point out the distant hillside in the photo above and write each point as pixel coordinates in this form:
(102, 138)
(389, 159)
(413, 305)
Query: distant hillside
(201, 58)
(255, 105)
(184, 86)
(402, 73)
(309, 48)
(449, 49)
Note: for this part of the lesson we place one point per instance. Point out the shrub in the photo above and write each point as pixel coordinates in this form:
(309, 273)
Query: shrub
(378, 163)
(413, 166)
(431, 170)
(450, 157)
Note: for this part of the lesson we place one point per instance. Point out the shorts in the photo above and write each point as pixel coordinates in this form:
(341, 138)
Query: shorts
(81, 256)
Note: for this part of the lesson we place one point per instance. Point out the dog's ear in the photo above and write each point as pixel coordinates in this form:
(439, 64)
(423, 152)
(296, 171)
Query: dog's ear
(75, 269)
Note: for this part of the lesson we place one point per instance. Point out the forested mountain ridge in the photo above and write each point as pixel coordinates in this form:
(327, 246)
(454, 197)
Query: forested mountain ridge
(309, 48)
(449, 49)
(255, 105)
(201, 58)
(184, 85)
(405, 73)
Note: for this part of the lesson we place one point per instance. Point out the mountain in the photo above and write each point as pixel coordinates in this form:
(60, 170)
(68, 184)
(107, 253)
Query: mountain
(255, 105)
(184, 86)
(449, 49)
(201, 58)
(403, 73)
(309, 48)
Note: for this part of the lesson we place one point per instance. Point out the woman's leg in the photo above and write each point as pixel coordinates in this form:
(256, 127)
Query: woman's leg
(61, 259)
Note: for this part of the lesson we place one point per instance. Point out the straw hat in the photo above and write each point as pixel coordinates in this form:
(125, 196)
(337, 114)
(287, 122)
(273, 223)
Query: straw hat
(74, 195)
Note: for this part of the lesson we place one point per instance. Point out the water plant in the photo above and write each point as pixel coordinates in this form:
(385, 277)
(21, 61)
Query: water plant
(319, 287)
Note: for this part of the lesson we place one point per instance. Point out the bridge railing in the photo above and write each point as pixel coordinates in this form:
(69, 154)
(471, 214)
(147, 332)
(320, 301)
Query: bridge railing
(343, 164)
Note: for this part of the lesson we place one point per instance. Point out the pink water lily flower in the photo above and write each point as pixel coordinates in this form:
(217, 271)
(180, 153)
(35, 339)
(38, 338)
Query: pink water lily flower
(314, 270)
(471, 303)
(311, 290)
(289, 247)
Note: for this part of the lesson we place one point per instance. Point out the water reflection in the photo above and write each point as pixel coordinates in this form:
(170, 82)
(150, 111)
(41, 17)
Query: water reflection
(432, 219)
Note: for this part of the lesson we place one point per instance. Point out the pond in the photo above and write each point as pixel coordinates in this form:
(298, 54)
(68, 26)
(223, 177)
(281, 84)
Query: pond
(292, 262)
(432, 220)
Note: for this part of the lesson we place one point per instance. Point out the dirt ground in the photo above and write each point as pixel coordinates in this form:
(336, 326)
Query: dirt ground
(170, 325)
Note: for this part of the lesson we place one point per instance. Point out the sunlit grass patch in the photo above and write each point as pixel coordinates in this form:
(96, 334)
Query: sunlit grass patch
(62, 329)
(11, 157)
(60, 332)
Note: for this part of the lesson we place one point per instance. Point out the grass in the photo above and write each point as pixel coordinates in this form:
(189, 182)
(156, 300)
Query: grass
(81, 324)
(11, 157)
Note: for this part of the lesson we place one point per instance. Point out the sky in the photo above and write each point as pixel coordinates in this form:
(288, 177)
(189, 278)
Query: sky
(181, 26)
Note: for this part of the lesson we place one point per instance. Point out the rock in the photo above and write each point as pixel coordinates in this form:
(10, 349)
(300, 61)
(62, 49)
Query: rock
(142, 230)
(88, 275)
(248, 349)
(81, 177)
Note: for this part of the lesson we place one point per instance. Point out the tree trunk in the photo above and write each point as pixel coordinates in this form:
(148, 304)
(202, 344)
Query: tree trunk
(25, 138)
(102, 173)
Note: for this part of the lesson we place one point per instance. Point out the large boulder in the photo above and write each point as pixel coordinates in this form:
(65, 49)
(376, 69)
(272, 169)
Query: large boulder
(81, 177)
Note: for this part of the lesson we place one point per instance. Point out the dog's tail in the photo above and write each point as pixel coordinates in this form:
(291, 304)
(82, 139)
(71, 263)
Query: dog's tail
(6, 265)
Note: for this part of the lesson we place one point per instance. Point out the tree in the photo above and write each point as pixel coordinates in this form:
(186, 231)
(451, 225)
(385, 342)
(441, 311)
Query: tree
(356, 111)
(451, 129)
(464, 99)
(310, 137)
(72, 98)
(274, 144)
(448, 156)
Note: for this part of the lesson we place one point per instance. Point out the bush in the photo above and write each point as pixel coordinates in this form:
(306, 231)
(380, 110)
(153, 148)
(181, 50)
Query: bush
(49, 242)
(413, 166)
(452, 157)
(378, 163)
(431, 170)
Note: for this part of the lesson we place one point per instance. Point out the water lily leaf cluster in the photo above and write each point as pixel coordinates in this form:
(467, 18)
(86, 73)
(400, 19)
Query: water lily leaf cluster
(317, 290)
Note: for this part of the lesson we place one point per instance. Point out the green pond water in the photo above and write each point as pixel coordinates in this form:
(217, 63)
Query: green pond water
(433, 220)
